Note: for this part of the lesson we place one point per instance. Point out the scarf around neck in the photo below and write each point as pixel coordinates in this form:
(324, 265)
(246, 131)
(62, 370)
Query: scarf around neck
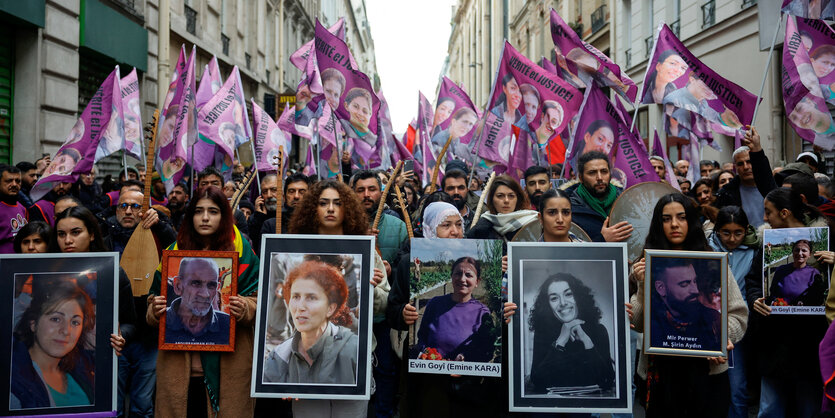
(599, 205)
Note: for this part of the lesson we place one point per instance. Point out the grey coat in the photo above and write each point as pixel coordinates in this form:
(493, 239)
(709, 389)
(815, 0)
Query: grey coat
(334, 359)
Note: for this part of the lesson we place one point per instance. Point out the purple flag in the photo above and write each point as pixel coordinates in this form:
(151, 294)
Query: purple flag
(590, 63)
(132, 118)
(424, 123)
(810, 9)
(548, 65)
(309, 162)
(78, 152)
(660, 150)
(177, 127)
(602, 128)
(455, 117)
(268, 138)
(350, 95)
(210, 83)
(678, 78)
(221, 120)
(388, 150)
(299, 58)
(807, 81)
(522, 86)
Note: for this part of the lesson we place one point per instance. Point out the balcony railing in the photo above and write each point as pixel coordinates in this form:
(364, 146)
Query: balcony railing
(191, 20)
(628, 54)
(676, 28)
(708, 14)
(648, 45)
(598, 19)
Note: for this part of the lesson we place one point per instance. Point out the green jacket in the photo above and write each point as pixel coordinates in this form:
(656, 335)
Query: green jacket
(392, 234)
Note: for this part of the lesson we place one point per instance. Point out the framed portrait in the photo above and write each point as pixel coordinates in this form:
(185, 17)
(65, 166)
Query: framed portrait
(59, 311)
(456, 287)
(686, 303)
(794, 282)
(197, 288)
(569, 340)
(315, 310)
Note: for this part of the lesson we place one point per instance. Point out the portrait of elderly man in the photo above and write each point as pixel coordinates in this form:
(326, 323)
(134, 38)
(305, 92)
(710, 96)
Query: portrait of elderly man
(192, 317)
(678, 314)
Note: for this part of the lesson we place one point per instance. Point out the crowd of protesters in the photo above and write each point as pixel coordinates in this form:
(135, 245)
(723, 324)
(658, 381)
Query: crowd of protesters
(781, 368)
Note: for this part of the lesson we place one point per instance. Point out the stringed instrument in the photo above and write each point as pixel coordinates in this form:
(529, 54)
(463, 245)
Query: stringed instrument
(141, 255)
(242, 188)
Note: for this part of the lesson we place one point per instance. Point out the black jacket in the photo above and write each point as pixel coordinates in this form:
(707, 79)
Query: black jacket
(729, 195)
(584, 216)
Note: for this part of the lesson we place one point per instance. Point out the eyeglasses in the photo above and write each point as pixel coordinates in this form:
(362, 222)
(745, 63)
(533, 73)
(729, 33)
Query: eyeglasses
(125, 206)
(728, 234)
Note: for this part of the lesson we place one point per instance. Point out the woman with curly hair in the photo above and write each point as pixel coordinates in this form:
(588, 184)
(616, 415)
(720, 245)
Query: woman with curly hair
(331, 208)
(190, 383)
(570, 345)
(322, 350)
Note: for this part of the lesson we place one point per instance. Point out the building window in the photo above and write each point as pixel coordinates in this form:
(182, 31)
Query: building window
(598, 18)
(248, 59)
(268, 77)
(269, 104)
(708, 14)
(648, 45)
(748, 3)
(676, 28)
(191, 20)
(224, 40)
(628, 58)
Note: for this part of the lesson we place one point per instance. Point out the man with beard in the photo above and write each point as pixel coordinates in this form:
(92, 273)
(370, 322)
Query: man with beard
(677, 314)
(592, 197)
(265, 206)
(191, 318)
(44, 209)
(455, 185)
(28, 177)
(177, 201)
(536, 183)
(295, 187)
(392, 231)
(128, 216)
(13, 214)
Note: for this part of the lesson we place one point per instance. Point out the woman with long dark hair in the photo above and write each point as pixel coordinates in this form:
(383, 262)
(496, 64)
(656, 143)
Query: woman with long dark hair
(789, 364)
(189, 383)
(681, 386)
(507, 211)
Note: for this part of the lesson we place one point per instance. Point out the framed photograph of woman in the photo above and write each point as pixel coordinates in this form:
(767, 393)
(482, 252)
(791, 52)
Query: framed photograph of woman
(794, 282)
(687, 296)
(60, 311)
(456, 288)
(569, 340)
(313, 328)
(199, 284)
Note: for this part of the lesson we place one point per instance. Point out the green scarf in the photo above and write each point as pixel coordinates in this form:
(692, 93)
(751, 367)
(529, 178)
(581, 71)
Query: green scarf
(600, 206)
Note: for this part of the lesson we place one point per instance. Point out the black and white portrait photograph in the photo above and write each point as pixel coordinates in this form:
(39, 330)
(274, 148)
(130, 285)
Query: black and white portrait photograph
(61, 311)
(569, 336)
(686, 292)
(313, 329)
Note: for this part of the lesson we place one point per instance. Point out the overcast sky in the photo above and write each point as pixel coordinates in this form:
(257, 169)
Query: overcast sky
(410, 41)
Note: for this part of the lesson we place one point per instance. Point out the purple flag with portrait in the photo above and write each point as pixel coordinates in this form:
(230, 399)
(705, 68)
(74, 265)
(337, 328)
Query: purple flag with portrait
(350, 95)
(678, 78)
(221, 120)
(810, 9)
(424, 126)
(132, 120)
(601, 127)
(210, 82)
(658, 149)
(299, 58)
(808, 63)
(78, 152)
(455, 117)
(590, 63)
(177, 127)
(268, 138)
(527, 96)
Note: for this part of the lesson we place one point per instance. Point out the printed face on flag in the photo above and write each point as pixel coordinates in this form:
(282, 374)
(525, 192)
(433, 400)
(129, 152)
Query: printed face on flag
(818, 42)
(810, 9)
(454, 120)
(63, 163)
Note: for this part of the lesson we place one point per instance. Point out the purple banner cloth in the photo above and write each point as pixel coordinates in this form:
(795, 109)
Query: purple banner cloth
(132, 116)
(424, 123)
(223, 119)
(807, 80)
(524, 95)
(299, 58)
(210, 83)
(811, 10)
(590, 62)
(268, 138)
(177, 127)
(77, 153)
(660, 150)
(678, 78)
(455, 117)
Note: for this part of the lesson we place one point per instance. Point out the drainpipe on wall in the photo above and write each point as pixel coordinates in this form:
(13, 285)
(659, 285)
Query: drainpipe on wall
(164, 39)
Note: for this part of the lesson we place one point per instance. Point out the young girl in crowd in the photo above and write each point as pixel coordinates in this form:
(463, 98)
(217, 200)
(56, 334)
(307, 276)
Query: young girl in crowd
(683, 386)
(196, 384)
(32, 238)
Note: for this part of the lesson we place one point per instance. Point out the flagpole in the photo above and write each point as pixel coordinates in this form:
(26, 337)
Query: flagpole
(191, 178)
(315, 143)
(570, 150)
(646, 72)
(255, 163)
(767, 67)
(125, 163)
